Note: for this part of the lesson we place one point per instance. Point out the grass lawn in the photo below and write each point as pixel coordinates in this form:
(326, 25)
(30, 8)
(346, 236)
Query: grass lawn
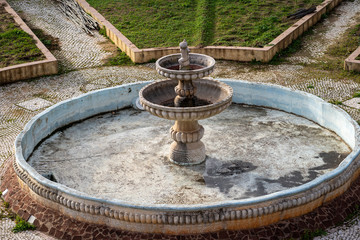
(164, 23)
(16, 45)
(254, 22)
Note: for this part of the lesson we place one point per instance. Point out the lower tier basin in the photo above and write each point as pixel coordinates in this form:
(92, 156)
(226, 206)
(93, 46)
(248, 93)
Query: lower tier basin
(274, 154)
(251, 151)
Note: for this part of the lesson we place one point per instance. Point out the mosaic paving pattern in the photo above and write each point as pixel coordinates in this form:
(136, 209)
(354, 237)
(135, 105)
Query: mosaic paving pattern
(328, 89)
(78, 50)
(5, 232)
(35, 104)
(354, 103)
(327, 32)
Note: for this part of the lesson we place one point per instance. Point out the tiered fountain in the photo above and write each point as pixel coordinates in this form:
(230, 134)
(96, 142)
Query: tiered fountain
(274, 154)
(192, 99)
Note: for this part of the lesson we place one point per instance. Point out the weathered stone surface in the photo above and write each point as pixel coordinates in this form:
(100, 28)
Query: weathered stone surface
(105, 157)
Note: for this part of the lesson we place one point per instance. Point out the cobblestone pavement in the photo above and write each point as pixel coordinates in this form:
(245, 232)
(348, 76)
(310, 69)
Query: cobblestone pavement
(327, 32)
(78, 50)
(6, 234)
(22, 100)
(348, 231)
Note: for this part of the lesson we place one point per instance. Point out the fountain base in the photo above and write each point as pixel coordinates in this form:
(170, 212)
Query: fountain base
(187, 153)
(187, 149)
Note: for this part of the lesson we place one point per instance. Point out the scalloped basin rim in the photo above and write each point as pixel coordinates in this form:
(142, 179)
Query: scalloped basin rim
(332, 117)
(189, 109)
(205, 68)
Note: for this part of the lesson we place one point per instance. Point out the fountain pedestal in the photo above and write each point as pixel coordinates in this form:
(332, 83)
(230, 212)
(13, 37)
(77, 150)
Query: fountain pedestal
(187, 149)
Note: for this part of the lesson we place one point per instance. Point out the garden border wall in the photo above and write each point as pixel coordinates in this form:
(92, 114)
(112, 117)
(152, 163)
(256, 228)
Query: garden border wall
(351, 63)
(23, 71)
(246, 54)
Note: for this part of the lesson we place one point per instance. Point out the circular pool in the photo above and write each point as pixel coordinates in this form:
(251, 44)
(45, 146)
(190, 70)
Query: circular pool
(275, 154)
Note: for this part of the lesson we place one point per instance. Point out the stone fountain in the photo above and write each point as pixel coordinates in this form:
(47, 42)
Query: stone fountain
(275, 154)
(192, 99)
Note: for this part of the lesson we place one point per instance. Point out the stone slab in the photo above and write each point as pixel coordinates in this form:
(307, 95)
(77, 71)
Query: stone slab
(35, 104)
(354, 102)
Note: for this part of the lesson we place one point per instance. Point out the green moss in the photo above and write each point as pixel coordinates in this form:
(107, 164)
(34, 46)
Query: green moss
(22, 225)
(335, 102)
(343, 47)
(102, 31)
(357, 94)
(309, 235)
(349, 218)
(120, 59)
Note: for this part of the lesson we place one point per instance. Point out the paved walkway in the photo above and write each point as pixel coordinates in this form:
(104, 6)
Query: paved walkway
(23, 100)
(78, 50)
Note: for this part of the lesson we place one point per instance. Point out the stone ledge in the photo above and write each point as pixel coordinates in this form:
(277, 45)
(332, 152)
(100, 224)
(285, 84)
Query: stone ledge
(31, 69)
(351, 64)
(245, 54)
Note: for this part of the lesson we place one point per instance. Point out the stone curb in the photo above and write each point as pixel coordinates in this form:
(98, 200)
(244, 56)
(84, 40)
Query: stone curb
(245, 54)
(351, 64)
(31, 69)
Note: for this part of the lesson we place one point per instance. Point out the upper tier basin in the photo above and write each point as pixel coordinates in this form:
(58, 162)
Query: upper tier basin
(200, 66)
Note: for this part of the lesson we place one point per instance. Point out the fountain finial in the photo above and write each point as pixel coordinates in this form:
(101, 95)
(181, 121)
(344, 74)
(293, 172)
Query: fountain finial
(184, 61)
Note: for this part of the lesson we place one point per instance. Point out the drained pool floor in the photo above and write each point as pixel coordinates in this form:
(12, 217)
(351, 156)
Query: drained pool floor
(251, 151)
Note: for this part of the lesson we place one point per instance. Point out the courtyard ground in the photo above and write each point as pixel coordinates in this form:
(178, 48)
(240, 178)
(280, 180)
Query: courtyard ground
(82, 56)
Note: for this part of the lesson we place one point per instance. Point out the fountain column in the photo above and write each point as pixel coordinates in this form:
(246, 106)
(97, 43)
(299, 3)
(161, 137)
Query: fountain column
(187, 149)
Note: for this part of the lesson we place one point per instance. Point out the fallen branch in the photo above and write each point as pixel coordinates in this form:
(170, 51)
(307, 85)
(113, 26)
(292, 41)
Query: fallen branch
(77, 15)
(301, 13)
